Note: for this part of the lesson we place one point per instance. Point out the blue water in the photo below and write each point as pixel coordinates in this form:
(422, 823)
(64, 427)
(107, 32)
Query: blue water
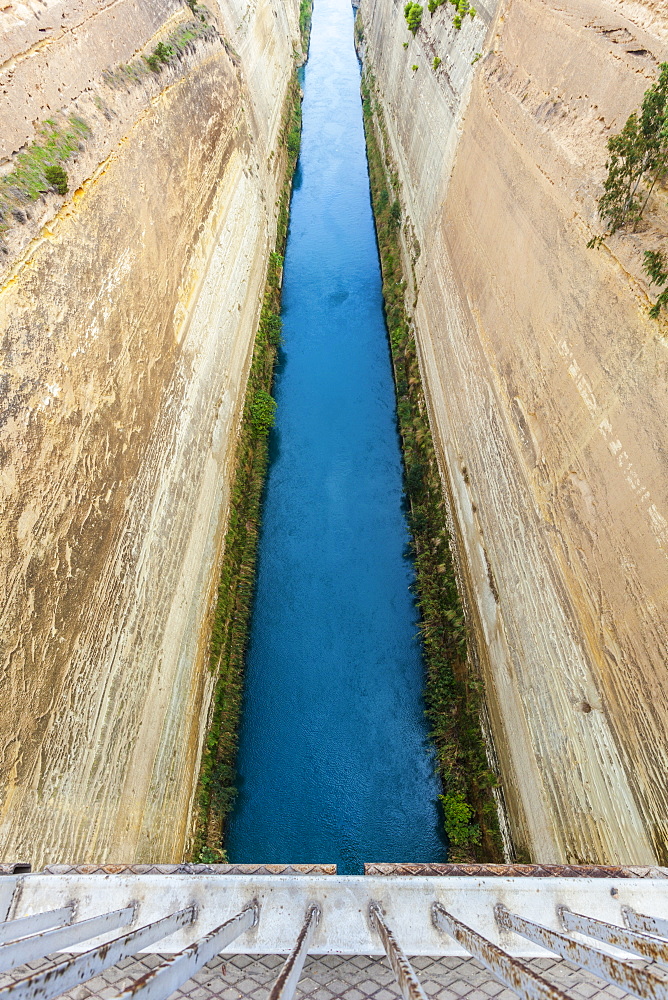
(334, 762)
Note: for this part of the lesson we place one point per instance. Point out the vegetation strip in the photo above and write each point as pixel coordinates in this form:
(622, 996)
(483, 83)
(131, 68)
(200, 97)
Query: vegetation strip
(229, 635)
(453, 692)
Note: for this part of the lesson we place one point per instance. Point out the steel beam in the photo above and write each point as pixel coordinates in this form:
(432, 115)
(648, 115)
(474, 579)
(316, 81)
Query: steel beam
(162, 981)
(286, 984)
(510, 971)
(12, 930)
(619, 937)
(643, 924)
(15, 953)
(61, 977)
(631, 978)
(403, 970)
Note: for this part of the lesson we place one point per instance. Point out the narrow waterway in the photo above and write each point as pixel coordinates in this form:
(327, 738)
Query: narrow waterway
(334, 762)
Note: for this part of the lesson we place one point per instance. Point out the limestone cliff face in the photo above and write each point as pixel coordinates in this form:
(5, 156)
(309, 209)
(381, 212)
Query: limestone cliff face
(127, 314)
(548, 391)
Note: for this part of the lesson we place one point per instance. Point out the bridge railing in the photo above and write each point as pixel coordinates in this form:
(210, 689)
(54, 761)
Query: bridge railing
(616, 929)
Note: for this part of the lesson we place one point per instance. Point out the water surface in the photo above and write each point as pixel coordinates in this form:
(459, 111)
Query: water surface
(334, 763)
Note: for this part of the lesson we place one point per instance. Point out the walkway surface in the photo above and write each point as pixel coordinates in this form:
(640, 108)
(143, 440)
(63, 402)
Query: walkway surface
(332, 976)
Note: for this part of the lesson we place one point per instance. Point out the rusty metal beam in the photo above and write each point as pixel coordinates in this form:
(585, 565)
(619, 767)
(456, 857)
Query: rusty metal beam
(643, 924)
(15, 953)
(286, 984)
(12, 930)
(403, 970)
(619, 937)
(61, 977)
(510, 971)
(631, 978)
(162, 981)
(517, 871)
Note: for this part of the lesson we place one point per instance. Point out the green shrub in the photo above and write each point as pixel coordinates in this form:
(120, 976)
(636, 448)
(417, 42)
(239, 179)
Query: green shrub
(405, 45)
(57, 178)
(294, 142)
(413, 15)
(414, 67)
(161, 55)
(457, 820)
(462, 8)
(263, 411)
(271, 326)
(211, 855)
(437, 62)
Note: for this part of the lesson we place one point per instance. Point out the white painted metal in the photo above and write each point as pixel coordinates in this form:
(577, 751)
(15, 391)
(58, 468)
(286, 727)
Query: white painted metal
(16, 953)
(165, 979)
(12, 930)
(54, 980)
(645, 924)
(344, 901)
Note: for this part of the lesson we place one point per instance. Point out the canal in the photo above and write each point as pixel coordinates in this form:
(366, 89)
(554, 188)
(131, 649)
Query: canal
(334, 762)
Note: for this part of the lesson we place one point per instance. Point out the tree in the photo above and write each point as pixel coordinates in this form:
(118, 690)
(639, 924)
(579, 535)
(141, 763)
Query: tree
(656, 269)
(638, 161)
(413, 15)
(57, 178)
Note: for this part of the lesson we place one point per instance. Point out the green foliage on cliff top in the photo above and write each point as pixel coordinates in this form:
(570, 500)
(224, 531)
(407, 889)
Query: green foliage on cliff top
(453, 690)
(638, 162)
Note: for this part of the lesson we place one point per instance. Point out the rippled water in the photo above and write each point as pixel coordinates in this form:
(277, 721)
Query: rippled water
(334, 763)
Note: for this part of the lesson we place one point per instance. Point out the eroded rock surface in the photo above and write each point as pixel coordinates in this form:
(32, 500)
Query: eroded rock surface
(548, 389)
(127, 316)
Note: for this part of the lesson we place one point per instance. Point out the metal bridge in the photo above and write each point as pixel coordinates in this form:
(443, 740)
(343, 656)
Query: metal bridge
(70, 925)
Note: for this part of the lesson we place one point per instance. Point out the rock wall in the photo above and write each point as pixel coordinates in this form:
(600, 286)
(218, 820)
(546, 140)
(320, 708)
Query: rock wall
(548, 394)
(127, 314)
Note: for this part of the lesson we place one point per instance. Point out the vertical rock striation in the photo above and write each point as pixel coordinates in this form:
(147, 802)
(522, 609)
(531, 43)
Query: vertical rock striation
(548, 389)
(128, 310)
